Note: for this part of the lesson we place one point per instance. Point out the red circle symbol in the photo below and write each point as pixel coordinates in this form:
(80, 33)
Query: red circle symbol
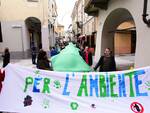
(137, 107)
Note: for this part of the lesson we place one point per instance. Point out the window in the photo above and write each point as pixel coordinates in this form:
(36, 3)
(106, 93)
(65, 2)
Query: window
(1, 39)
(32, 0)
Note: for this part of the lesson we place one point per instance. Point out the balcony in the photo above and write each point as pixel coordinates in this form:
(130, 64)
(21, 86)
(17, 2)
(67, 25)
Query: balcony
(92, 6)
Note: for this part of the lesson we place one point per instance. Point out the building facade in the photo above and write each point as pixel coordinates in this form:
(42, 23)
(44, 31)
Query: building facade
(84, 26)
(60, 30)
(74, 17)
(122, 18)
(52, 21)
(23, 23)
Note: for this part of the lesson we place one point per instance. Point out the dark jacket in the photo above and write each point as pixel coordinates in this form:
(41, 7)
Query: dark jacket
(43, 64)
(81, 52)
(53, 52)
(90, 59)
(42, 61)
(111, 66)
(6, 59)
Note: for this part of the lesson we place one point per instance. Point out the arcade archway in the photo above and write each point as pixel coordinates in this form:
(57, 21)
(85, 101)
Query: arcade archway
(119, 34)
(34, 28)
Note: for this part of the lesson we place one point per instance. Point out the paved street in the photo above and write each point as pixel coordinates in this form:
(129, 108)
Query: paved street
(23, 62)
(123, 62)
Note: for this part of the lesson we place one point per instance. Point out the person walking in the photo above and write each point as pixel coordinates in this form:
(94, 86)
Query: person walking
(6, 57)
(106, 62)
(53, 52)
(33, 52)
(42, 61)
(87, 56)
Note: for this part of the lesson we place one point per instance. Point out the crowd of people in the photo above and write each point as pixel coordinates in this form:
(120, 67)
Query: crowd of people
(41, 60)
(106, 62)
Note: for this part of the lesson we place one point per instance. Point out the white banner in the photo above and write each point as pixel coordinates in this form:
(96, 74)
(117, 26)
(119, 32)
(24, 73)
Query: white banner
(27, 90)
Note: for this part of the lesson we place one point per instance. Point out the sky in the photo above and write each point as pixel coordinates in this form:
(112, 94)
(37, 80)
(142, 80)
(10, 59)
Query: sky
(64, 9)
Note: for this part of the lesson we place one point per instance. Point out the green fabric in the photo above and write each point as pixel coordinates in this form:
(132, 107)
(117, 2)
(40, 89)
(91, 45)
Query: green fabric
(69, 60)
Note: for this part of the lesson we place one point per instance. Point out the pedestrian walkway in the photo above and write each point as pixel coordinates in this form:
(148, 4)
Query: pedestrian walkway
(22, 62)
(123, 62)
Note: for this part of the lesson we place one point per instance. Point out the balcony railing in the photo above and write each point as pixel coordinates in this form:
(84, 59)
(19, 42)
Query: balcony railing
(92, 6)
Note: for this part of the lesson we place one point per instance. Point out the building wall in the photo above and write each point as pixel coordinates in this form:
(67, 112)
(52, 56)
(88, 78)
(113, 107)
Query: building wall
(60, 30)
(52, 11)
(52, 21)
(123, 40)
(13, 14)
(14, 10)
(15, 36)
(125, 25)
(122, 43)
(89, 23)
(135, 7)
(80, 14)
(74, 17)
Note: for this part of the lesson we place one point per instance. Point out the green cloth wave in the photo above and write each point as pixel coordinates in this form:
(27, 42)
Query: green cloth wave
(69, 60)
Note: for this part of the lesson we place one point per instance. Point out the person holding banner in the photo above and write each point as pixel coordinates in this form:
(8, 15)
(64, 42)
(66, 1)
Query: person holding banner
(87, 55)
(106, 62)
(42, 61)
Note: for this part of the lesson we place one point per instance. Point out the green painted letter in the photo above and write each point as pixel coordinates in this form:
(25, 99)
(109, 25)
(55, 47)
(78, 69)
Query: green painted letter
(46, 87)
(131, 74)
(29, 81)
(83, 86)
(112, 84)
(102, 85)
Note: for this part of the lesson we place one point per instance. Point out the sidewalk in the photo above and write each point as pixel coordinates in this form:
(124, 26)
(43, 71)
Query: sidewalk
(123, 62)
(23, 62)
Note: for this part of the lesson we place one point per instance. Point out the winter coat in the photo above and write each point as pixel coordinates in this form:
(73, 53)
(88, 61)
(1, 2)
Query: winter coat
(111, 65)
(6, 59)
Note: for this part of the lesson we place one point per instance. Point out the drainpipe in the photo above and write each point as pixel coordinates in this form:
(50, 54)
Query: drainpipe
(146, 21)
